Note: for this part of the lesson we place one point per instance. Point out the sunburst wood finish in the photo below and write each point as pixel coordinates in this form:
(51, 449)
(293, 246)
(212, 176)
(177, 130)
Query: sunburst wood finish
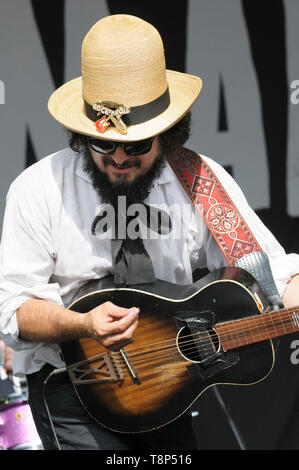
(148, 384)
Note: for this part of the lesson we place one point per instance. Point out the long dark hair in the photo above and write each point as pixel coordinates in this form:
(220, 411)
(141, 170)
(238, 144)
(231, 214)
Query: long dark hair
(174, 137)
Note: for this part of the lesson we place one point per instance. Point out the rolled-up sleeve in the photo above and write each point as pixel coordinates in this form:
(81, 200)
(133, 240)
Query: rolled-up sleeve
(27, 258)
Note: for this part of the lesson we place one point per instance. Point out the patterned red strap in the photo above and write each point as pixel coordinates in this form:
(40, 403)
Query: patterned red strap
(214, 205)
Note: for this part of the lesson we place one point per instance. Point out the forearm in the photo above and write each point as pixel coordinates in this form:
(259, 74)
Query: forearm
(43, 321)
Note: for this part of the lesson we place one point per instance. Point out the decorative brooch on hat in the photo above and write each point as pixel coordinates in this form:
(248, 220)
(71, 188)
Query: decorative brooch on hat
(111, 111)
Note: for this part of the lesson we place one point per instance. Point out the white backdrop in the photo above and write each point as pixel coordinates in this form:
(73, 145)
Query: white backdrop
(218, 49)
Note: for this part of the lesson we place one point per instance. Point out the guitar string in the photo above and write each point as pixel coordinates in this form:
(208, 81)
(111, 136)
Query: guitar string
(149, 360)
(191, 352)
(185, 346)
(184, 351)
(149, 357)
(192, 342)
(170, 347)
(140, 360)
(248, 329)
(228, 336)
(192, 356)
(153, 353)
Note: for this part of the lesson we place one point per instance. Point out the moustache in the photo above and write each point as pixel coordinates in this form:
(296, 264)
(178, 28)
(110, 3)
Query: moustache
(126, 164)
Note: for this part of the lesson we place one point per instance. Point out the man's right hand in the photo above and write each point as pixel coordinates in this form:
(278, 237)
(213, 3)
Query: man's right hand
(112, 326)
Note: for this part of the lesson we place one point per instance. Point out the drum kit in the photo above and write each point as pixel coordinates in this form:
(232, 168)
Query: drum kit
(17, 428)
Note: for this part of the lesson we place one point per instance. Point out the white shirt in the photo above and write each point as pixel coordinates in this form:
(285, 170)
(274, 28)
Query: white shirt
(48, 251)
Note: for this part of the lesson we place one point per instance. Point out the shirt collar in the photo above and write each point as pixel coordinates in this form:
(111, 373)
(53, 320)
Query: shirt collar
(80, 172)
(167, 175)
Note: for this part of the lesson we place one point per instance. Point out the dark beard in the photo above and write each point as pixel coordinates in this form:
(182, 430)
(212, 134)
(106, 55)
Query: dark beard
(135, 192)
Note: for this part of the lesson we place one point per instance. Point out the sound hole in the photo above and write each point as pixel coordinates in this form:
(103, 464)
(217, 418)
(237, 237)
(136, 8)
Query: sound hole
(197, 346)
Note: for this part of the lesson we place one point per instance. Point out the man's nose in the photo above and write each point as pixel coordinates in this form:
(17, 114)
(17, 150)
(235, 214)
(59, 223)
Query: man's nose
(120, 156)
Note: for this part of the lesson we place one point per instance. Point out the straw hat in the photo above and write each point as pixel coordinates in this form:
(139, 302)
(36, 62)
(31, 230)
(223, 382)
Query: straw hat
(125, 92)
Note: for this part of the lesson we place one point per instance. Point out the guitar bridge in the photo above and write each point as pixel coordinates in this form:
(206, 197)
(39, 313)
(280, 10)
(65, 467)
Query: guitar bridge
(102, 368)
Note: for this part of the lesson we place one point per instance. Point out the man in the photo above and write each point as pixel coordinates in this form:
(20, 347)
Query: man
(124, 115)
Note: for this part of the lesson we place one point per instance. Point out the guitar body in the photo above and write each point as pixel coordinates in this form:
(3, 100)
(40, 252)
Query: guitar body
(151, 382)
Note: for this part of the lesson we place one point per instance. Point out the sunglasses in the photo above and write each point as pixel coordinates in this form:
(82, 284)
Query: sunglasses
(107, 147)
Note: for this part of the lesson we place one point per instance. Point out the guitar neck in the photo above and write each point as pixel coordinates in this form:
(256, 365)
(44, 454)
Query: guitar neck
(248, 330)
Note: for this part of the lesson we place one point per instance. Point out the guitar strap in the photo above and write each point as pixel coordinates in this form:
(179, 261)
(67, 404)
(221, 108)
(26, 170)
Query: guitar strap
(215, 206)
(230, 230)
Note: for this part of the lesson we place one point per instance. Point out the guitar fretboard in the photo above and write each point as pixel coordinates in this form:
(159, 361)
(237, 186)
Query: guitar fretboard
(248, 330)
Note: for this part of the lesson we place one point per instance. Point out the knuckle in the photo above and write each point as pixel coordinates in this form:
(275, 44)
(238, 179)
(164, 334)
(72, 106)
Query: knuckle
(106, 342)
(107, 304)
(127, 336)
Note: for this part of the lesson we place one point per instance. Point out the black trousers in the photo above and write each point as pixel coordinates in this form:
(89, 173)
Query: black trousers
(69, 426)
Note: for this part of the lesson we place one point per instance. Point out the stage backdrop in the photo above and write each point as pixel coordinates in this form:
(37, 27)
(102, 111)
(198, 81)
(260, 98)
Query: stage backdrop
(246, 52)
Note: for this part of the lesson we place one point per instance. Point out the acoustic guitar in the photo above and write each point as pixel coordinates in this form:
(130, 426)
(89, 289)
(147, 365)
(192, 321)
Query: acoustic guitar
(218, 330)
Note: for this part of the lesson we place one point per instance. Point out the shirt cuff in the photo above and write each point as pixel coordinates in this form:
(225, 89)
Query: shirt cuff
(9, 324)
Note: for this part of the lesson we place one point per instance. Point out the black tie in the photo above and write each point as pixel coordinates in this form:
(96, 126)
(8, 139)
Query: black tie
(132, 263)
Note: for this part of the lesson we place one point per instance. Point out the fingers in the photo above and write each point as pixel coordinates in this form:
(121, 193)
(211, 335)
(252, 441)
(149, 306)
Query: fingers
(117, 312)
(114, 326)
(124, 322)
(122, 333)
